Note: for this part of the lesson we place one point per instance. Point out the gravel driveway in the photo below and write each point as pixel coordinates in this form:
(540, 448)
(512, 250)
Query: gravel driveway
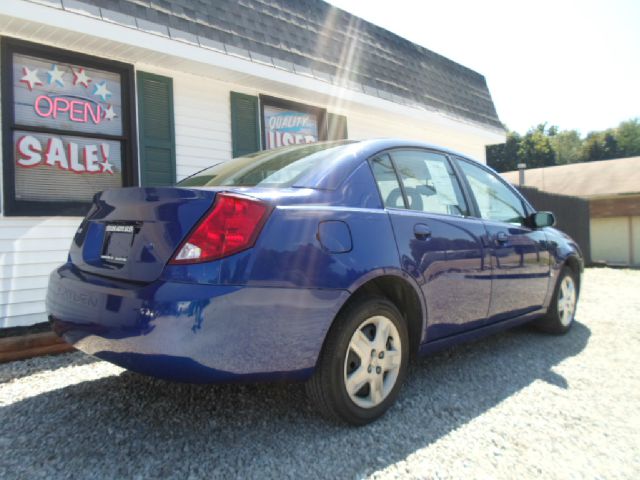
(519, 404)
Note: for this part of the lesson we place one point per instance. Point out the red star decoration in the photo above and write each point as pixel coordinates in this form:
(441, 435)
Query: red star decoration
(30, 78)
(81, 77)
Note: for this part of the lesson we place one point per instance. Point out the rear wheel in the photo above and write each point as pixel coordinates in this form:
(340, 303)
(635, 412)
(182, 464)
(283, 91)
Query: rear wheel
(563, 305)
(363, 363)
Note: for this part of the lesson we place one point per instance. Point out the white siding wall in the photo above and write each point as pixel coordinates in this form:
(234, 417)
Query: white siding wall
(203, 124)
(363, 125)
(30, 248)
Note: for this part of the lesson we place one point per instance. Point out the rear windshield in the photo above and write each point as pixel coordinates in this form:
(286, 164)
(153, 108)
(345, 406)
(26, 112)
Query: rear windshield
(272, 168)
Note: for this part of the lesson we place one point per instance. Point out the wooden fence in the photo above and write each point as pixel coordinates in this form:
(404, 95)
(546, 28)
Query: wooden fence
(572, 215)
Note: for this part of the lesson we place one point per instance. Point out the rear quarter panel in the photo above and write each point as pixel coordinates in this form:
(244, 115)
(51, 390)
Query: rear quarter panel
(289, 252)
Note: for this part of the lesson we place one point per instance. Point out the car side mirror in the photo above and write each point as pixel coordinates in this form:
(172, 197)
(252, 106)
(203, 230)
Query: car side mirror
(542, 219)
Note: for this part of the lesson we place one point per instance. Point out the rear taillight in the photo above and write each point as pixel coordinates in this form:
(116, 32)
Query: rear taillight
(232, 225)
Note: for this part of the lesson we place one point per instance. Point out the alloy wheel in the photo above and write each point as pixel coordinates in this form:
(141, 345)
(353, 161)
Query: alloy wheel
(372, 363)
(567, 300)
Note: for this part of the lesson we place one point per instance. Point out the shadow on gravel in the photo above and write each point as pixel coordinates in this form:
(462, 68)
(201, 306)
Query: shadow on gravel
(129, 425)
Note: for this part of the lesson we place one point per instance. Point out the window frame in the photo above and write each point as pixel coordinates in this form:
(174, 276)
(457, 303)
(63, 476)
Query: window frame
(370, 161)
(474, 207)
(471, 207)
(128, 139)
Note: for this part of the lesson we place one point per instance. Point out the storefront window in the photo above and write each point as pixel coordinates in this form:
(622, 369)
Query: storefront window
(290, 123)
(68, 129)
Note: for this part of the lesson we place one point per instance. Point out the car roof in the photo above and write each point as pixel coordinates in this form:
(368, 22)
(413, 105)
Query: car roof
(387, 143)
(330, 174)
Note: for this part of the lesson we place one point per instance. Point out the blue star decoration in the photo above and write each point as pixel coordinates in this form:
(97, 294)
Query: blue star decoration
(101, 90)
(56, 75)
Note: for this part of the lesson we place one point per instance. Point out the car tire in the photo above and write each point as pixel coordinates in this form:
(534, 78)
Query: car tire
(363, 362)
(562, 309)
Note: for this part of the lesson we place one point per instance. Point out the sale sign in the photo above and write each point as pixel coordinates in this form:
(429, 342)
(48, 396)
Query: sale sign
(65, 156)
(289, 127)
(64, 167)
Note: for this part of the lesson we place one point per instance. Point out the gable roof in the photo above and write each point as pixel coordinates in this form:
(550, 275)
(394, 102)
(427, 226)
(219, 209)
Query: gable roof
(589, 179)
(314, 38)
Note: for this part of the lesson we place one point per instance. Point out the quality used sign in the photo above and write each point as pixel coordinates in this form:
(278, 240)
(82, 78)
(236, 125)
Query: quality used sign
(289, 127)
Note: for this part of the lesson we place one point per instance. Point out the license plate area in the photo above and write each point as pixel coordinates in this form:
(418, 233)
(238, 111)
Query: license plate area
(118, 239)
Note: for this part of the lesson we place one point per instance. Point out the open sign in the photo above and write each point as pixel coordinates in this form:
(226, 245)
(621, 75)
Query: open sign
(67, 97)
(74, 108)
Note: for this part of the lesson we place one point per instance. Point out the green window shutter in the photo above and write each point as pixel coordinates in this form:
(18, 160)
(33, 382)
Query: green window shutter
(337, 127)
(157, 131)
(245, 131)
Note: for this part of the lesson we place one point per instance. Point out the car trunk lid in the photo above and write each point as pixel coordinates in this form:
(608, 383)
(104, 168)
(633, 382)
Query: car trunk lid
(131, 233)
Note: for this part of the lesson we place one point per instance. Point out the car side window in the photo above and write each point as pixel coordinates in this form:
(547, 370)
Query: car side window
(429, 182)
(495, 200)
(387, 181)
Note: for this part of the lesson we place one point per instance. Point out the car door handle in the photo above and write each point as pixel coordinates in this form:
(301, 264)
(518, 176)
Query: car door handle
(502, 237)
(421, 231)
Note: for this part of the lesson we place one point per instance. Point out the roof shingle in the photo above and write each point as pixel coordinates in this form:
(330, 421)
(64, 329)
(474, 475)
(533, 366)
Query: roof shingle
(313, 35)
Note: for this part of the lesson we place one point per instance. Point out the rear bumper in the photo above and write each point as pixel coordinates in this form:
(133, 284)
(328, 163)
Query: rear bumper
(191, 332)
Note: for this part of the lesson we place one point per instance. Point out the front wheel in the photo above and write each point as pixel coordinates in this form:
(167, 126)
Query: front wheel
(363, 363)
(563, 305)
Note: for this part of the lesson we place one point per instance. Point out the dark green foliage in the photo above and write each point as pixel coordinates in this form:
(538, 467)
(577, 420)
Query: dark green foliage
(628, 136)
(504, 156)
(601, 146)
(535, 148)
(544, 146)
(568, 147)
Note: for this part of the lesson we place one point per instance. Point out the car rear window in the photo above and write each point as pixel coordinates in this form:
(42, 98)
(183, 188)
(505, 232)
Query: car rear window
(272, 168)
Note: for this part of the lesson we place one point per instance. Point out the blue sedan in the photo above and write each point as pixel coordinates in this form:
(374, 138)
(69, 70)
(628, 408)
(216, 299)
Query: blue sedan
(332, 263)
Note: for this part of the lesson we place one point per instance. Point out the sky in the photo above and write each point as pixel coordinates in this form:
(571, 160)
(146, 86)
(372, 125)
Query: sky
(574, 64)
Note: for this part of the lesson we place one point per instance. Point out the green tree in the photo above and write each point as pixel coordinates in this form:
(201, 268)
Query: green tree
(553, 130)
(592, 148)
(567, 145)
(601, 146)
(611, 147)
(628, 137)
(535, 148)
(504, 156)
(544, 146)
